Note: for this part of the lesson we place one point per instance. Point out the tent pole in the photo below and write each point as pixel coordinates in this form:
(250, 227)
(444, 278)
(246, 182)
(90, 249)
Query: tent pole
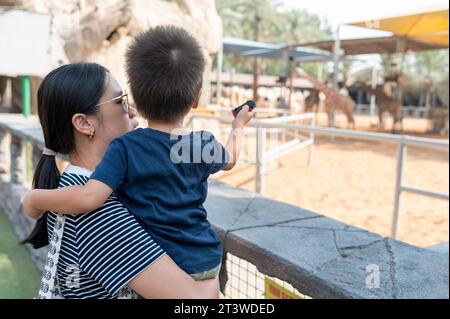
(291, 80)
(256, 70)
(219, 75)
(336, 60)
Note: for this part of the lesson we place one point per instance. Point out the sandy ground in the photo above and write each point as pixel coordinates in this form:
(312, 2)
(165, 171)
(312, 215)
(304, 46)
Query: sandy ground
(354, 181)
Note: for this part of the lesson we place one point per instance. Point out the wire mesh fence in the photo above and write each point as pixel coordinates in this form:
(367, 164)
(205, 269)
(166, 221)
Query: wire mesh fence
(246, 282)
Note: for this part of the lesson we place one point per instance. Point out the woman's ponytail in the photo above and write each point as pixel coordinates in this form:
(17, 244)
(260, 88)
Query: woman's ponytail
(46, 176)
(64, 92)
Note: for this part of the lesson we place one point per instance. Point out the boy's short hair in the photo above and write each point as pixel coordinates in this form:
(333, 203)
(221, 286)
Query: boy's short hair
(165, 66)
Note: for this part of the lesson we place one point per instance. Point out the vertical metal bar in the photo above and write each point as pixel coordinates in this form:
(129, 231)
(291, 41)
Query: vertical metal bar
(260, 150)
(232, 72)
(291, 80)
(256, 64)
(372, 97)
(26, 96)
(223, 274)
(336, 61)
(312, 137)
(398, 189)
(320, 72)
(219, 75)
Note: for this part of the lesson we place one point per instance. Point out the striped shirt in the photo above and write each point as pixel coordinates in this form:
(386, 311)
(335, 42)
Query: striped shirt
(101, 251)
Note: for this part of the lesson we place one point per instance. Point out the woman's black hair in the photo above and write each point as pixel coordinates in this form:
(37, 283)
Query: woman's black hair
(64, 92)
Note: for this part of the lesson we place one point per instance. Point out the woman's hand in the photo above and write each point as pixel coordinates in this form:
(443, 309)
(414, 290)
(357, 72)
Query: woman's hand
(27, 205)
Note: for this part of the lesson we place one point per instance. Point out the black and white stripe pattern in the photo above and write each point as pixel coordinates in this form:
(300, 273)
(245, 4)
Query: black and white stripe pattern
(103, 250)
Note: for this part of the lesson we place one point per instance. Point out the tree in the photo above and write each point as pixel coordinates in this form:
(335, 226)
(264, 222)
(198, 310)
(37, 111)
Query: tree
(276, 26)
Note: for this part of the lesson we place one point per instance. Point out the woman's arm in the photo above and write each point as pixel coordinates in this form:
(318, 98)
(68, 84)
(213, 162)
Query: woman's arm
(165, 280)
(68, 200)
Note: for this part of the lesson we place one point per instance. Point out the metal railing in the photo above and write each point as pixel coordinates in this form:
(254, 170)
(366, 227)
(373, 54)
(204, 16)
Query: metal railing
(264, 156)
(403, 141)
(407, 111)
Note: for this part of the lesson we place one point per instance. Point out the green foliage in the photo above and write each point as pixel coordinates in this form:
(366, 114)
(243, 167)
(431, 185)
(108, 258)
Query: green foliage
(276, 26)
(431, 64)
(425, 72)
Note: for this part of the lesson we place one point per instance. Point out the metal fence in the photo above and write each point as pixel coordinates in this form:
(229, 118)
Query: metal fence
(402, 141)
(408, 111)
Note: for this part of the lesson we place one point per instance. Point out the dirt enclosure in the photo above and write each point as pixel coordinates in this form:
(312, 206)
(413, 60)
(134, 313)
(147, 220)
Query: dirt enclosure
(354, 181)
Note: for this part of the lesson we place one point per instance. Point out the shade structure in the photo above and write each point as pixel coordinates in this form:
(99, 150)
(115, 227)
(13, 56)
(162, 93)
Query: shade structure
(376, 45)
(428, 26)
(250, 48)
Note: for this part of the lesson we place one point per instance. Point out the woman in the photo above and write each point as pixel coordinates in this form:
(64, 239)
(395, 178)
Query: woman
(82, 108)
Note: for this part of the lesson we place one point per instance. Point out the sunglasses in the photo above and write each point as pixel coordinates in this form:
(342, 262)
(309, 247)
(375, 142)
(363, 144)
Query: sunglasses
(124, 101)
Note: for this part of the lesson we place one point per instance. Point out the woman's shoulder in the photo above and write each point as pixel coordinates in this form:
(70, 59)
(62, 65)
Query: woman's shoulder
(76, 175)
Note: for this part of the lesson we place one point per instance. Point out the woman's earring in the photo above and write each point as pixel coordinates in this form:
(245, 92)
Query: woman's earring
(91, 135)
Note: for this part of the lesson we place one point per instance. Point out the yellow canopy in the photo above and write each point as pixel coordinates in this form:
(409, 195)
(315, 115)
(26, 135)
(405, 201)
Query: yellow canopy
(430, 26)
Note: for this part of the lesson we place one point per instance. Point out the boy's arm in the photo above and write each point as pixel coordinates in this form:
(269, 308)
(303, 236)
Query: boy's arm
(234, 142)
(68, 200)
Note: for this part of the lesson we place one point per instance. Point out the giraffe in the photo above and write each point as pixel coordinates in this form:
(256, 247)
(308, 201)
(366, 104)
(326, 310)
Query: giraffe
(312, 102)
(333, 99)
(385, 104)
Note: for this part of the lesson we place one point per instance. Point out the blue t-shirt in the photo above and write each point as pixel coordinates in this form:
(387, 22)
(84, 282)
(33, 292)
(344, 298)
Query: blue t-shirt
(162, 179)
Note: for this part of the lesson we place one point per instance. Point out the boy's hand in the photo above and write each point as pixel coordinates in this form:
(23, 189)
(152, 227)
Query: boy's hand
(243, 117)
(28, 207)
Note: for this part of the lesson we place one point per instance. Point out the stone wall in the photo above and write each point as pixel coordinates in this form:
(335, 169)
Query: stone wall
(10, 196)
(100, 31)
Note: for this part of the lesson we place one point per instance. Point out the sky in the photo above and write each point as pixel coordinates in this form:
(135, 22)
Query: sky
(344, 11)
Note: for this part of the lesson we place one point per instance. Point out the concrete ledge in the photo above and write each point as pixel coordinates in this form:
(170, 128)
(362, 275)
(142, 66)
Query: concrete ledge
(10, 196)
(321, 257)
(440, 248)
